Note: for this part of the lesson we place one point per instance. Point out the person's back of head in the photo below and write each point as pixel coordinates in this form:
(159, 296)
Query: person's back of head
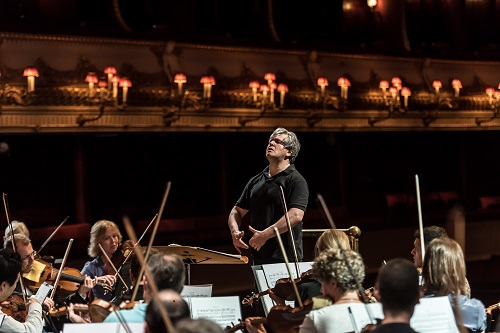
(16, 227)
(168, 271)
(198, 326)
(176, 307)
(135, 265)
(398, 286)
(332, 239)
(10, 266)
(430, 233)
(443, 271)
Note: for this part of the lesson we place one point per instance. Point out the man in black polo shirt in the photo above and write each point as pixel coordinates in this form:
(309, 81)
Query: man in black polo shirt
(261, 197)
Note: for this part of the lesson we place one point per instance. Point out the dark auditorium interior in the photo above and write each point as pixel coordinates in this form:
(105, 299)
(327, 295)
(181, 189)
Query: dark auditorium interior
(68, 151)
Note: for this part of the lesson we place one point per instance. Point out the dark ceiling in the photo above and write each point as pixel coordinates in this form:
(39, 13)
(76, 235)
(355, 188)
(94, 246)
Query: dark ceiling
(429, 28)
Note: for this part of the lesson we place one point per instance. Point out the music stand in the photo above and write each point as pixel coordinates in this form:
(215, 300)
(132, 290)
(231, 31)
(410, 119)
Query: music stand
(197, 255)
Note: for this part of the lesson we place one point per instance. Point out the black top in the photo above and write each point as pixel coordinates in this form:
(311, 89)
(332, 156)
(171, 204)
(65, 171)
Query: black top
(394, 328)
(261, 197)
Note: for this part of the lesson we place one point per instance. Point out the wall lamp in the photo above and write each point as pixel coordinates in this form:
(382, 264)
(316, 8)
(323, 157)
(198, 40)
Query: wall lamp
(494, 104)
(392, 94)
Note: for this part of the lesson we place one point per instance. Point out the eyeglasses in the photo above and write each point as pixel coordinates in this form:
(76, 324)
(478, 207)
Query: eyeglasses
(31, 255)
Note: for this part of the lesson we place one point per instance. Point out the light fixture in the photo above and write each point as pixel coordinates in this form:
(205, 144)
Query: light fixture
(322, 83)
(125, 83)
(180, 79)
(372, 4)
(208, 82)
(31, 73)
(110, 71)
(283, 89)
(344, 84)
(92, 79)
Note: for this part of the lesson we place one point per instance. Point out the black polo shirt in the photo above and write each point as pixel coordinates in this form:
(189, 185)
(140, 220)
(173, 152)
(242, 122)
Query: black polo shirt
(261, 197)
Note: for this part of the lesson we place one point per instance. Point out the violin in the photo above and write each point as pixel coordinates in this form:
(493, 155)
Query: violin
(99, 309)
(15, 307)
(241, 326)
(70, 281)
(283, 289)
(283, 318)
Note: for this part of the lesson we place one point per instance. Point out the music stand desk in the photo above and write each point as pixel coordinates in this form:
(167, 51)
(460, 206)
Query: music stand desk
(197, 255)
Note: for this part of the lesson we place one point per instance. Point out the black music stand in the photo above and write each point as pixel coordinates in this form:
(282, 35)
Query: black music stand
(197, 255)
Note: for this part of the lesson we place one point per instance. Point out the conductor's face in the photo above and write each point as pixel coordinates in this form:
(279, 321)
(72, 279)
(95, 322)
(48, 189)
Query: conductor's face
(275, 148)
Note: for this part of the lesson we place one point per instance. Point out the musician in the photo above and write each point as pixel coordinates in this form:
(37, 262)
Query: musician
(177, 309)
(430, 233)
(397, 288)
(262, 198)
(444, 275)
(168, 272)
(10, 269)
(107, 234)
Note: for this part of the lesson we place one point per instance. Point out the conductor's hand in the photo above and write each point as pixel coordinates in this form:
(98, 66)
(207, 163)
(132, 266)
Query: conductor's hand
(258, 239)
(255, 328)
(238, 241)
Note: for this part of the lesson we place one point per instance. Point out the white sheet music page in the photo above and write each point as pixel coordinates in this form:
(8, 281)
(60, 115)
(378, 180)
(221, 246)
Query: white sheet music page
(204, 290)
(431, 315)
(274, 272)
(434, 315)
(102, 327)
(225, 311)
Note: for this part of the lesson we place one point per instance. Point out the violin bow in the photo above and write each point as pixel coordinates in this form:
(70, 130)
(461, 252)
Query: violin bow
(327, 212)
(289, 225)
(420, 223)
(138, 241)
(149, 276)
(117, 273)
(7, 214)
(151, 240)
(297, 295)
(52, 235)
(58, 277)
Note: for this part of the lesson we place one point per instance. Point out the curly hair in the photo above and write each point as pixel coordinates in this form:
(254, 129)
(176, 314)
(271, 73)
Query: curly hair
(332, 239)
(97, 233)
(346, 267)
(444, 268)
(291, 143)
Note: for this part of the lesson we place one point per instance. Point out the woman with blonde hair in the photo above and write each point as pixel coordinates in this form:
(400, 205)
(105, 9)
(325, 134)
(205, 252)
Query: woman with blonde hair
(443, 274)
(107, 234)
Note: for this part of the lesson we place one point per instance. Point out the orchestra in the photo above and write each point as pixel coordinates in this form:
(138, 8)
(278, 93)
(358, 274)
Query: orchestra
(326, 298)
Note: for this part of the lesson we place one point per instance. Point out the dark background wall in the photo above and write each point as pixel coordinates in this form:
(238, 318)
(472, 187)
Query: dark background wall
(127, 173)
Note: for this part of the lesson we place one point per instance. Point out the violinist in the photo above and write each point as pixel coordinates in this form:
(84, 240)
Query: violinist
(25, 249)
(168, 272)
(262, 198)
(398, 290)
(10, 269)
(107, 234)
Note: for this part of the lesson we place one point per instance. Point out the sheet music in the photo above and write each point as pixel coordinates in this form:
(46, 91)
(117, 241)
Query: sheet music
(102, 327)
(225, 311)
(274, 272)
(267, 302)
(431, 315)
(204, 290)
